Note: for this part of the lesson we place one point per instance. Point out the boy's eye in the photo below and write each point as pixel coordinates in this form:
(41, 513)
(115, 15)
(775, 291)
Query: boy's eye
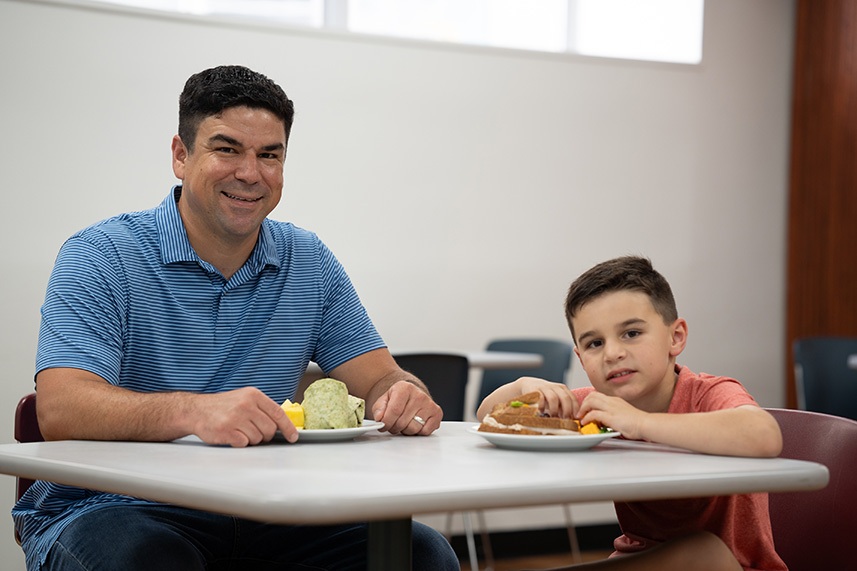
(633, 333)
(594, 344)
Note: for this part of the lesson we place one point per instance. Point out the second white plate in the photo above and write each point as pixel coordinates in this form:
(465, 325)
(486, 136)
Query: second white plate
(543, 442)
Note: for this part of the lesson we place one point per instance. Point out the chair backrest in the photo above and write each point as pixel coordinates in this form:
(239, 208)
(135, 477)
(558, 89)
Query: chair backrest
(26, 430)
(556, 361)
(825, 382)
(445, 375)
(813, 530)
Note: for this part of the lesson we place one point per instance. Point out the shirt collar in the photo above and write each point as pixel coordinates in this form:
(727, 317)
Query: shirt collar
(175, 246)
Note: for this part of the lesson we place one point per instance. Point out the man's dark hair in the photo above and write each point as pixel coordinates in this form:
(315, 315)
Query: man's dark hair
(214, 90)
(628, 273)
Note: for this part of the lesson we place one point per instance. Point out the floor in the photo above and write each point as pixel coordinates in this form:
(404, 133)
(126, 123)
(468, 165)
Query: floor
(550, 561)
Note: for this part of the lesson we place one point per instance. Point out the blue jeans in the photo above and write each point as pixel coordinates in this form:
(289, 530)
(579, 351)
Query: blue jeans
(163, 538)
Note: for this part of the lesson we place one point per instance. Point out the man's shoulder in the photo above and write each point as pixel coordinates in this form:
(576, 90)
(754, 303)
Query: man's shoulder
(290, 231)
(294, 240)
(120, 224)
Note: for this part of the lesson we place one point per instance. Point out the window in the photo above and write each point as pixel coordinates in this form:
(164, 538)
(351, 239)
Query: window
(655, 30)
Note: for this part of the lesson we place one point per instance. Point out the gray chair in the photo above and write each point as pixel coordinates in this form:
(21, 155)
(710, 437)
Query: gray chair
(556, 362)
(812, 530)
(445, 375)
(824, 381)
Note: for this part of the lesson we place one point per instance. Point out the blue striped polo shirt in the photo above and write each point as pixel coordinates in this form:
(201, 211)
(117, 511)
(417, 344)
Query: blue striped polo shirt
(130, 301)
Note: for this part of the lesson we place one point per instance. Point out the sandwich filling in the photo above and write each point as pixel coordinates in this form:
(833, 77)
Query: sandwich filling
(489, 421)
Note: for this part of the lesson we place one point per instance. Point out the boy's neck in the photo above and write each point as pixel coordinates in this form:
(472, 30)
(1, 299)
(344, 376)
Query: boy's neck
(660, 400)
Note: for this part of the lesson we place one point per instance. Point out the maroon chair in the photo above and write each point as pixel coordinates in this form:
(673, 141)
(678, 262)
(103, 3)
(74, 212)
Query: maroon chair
(814, 530)
(27, 430)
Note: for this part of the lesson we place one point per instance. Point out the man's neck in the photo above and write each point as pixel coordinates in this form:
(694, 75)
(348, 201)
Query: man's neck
(227, 255)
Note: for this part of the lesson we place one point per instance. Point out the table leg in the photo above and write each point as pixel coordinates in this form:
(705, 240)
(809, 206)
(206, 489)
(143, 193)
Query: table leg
(389, 546)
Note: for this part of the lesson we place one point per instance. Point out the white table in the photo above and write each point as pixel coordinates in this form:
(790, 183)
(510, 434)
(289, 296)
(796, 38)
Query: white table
(386, 479)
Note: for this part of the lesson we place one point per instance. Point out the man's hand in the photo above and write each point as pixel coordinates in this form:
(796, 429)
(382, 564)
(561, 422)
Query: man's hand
(402, 408)
(241, 417)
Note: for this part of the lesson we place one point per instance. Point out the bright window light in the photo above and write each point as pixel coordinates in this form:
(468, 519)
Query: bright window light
(659, 30)
(521, 24)
(654, 30)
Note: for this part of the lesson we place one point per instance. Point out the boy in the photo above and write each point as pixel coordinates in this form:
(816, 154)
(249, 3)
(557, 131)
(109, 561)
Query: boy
(627, 335)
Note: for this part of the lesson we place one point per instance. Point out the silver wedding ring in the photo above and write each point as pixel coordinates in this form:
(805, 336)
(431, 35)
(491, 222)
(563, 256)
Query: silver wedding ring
(419, 419)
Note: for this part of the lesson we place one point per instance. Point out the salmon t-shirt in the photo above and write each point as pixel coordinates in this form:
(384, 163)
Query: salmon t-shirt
(741, 521)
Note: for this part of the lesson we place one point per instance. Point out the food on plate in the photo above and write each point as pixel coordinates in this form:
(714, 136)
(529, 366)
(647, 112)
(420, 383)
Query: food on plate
(521, 415)
(593, 428)
(327, 404)
(295, 412)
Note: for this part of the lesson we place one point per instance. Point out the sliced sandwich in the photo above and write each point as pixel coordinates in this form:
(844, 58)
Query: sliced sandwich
(521, 415)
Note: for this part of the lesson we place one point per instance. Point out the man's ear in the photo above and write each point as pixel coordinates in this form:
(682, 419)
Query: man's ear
(180, 154)
(679, 337)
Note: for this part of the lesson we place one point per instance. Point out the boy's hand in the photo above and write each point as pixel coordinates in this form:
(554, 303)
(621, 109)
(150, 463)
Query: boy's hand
(557, 399)
(613, 412)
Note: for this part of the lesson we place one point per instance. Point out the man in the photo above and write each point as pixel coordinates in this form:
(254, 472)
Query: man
(199, 317)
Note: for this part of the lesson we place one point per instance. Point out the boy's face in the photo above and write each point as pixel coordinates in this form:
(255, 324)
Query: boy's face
(627, 350)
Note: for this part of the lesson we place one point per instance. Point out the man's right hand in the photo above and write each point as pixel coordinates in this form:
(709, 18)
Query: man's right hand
(241, 417)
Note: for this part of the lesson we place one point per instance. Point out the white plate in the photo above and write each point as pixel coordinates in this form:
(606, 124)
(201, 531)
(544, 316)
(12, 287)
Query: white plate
(337, 434)
(543, 442)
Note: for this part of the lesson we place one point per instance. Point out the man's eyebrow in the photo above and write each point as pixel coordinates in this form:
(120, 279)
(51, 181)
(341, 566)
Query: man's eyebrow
(274, 147)
(220, 137)
(224, 139)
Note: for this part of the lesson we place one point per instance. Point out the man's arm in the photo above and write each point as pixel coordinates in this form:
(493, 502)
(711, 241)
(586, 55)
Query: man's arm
(393, 396)
(77, 404)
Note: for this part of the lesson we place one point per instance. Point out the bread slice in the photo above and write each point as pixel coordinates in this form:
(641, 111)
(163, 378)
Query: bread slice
(521, 415)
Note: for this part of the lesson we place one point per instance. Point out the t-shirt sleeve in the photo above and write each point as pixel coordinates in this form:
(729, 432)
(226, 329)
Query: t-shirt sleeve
(346, 329)
(82, 316)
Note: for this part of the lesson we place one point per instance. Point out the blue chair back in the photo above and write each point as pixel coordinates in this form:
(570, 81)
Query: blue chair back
(825, 381)
(556, 363)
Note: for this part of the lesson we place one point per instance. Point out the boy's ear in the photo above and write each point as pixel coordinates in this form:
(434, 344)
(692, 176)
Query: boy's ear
(679, 337)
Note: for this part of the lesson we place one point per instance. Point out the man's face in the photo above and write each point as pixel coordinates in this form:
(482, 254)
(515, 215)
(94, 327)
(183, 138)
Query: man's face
(626, 348)
(233, 178)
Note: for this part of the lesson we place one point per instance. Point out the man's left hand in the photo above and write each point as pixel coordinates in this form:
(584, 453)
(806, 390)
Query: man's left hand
(407, 409)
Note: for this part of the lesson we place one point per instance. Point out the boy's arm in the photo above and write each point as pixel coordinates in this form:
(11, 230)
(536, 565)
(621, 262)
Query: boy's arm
(746, 430)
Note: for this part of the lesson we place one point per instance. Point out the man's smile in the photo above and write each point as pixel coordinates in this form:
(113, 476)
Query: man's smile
(233, 197)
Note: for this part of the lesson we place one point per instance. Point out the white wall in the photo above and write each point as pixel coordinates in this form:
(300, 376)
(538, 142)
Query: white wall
(463, 188)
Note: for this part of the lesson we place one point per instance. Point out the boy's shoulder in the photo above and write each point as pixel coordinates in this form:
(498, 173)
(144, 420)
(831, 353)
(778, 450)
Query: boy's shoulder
(702, 392)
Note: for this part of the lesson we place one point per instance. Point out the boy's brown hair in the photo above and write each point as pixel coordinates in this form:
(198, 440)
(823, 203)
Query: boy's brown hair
(627, 273)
